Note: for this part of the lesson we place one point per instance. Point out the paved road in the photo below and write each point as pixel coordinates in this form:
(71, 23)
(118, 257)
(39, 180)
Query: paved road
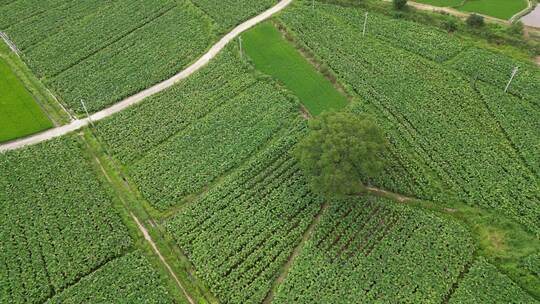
(79, 123)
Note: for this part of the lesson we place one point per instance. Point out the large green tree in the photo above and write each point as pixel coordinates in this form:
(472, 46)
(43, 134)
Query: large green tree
(340, 150)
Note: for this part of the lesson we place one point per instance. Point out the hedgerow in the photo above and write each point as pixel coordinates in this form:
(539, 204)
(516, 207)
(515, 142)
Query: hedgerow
(58, 224)
(445, 142)
(373, 251)
(128, 279)
(485, 284)
(240, 233)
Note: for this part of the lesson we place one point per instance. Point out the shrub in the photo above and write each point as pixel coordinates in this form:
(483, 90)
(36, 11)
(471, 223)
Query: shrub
(399, 4)
(450, 25)
(475, 20)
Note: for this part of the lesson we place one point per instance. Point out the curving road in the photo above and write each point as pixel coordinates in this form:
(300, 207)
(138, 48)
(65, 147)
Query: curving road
(201, 62)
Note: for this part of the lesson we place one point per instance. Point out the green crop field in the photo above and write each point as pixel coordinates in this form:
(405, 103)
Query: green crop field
(58, 224)
(97, 49)
(20, 115)
(196, 195)
(502, 9)
(273, 55)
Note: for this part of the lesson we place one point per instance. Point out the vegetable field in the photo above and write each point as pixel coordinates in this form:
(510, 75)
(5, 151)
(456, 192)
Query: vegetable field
(374, 250)
(502, 9)
(214, 136)
(484, 284)
(58, 224)
(130, 279)
(240, 233)
(102, 51)
(447, 142)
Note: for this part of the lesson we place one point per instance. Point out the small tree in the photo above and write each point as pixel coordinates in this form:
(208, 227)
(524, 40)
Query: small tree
(450, 25)
(475, 20)
(340, 150)
(516, 28)
(399, 4)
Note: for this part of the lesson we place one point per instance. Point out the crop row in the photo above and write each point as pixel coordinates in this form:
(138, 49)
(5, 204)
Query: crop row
(57, 221)
(429, 42)
(128, 279)
(212, 145)
(496, 69)
(401, 255)
(240, 233)
(103, 51)
(442, 135)
(228, 13)
(485, 284)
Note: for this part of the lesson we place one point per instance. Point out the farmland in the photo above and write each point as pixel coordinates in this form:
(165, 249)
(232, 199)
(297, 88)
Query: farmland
(431, 154)
(501, 9)
(196, 194)
(20, 114)
(360, 243)
(92, 60)
(274, 56)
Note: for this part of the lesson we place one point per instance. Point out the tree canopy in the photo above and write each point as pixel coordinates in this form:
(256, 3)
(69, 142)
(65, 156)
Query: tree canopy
(340, 150)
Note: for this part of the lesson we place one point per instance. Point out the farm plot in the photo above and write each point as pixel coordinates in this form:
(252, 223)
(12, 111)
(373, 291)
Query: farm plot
(485, 284)
(373, 251)
(429, 42)
(228, 13)
(102, 51)
(445, 143)
(240, 233)
(58, 224)
(217, 133)
(496, 70)
(20, 115)
(128, 279)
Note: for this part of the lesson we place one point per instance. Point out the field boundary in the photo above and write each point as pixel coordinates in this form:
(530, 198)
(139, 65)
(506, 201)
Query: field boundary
(137, 98)
(296, 251)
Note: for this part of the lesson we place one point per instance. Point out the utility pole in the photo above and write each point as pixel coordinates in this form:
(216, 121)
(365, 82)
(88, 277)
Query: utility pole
(514, 72)
(87, 114)
(240, 44)
(365, 24)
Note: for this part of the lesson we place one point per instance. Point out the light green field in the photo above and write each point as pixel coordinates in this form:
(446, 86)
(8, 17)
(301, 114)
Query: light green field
(273, 55)
(502, 9)
(20, 115)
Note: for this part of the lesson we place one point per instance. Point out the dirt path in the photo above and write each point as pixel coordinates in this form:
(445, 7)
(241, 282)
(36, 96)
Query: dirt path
(214, 50)
(148, 238)
(285, 269)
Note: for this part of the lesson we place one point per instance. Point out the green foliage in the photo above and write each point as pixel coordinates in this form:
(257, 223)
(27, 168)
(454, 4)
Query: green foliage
(58, 223)
(340, 150)
(128, 279)
(229, 13)
(20, 115)
(240, 233)
(516, 28)
(399, 4)
(373, 251)
(485, 284)
(275, 56)
(429, 113)
(475, 20)
(216, 130)
(67, 44)
(450, 25)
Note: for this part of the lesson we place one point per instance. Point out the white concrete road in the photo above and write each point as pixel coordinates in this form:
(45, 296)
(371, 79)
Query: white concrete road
(79, 123)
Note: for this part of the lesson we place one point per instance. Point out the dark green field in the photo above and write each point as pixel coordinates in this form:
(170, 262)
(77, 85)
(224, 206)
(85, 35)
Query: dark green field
(20, 115)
